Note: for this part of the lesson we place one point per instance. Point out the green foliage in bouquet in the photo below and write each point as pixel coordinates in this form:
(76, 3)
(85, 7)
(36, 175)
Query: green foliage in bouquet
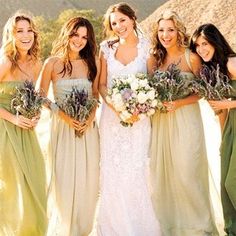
(213, 85)
(77, 105)
(26, 101)
(170, 84)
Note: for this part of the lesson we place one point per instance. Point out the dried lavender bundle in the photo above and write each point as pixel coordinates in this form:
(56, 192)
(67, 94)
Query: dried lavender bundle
(26, 101)
(78, 105)
(213, 85)
(171, 84)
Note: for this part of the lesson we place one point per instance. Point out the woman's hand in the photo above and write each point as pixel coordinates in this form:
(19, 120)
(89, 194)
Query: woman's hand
(222, 104)
(23, 122)
(172, 106)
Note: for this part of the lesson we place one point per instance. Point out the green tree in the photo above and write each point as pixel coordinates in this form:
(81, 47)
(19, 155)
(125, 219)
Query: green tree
(50, 28)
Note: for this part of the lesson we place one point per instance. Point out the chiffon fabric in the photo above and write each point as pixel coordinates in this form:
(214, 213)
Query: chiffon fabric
(22, 176)
(179, 171)
(75, 164)
(228, 171)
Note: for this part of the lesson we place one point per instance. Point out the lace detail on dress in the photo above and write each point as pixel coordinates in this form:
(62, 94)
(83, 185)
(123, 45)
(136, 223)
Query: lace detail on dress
(125, 204)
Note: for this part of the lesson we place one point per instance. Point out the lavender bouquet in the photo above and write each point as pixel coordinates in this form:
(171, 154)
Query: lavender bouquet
(26, 101)
(78, 105)
(170, 85)
(213, 85)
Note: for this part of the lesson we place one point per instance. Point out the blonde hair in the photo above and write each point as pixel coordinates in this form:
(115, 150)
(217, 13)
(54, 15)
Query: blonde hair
(182, 38)
(8, 48)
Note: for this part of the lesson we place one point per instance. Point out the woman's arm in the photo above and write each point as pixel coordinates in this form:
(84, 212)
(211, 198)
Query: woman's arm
(103, 76)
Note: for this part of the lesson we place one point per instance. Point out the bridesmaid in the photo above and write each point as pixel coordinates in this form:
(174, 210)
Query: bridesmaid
(213, 48)
(75, 160)
(179, 168)
(22, 172)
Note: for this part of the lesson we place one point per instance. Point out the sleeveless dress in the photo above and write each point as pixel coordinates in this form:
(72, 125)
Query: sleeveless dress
(228, 171)
(75, 165)
(125, 202)
(22, 176)
(179, 171)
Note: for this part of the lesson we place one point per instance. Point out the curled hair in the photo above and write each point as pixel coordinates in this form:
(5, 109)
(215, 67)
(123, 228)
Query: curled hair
(183, 40)
(61, 46)
(9, 48)
(123, 8)
(214, 37)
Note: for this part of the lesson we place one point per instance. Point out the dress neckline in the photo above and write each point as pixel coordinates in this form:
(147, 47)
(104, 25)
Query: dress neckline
(138, 46)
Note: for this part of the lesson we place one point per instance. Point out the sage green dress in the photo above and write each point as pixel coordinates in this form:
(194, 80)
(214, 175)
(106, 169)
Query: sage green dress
(228, 171)
(75, 165)
(22, 176)
(179, 172)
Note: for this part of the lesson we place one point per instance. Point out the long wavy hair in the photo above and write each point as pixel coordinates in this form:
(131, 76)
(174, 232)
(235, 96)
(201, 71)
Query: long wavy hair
(214, 37)
(61, 46)
(9, 48)
(123, 8)
(182, 38)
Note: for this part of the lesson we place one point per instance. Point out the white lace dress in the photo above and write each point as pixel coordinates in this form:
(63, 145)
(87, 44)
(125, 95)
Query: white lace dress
(125, 205)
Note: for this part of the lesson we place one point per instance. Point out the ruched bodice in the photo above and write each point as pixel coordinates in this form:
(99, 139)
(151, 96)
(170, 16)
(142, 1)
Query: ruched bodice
(7, 88)
(64, 86)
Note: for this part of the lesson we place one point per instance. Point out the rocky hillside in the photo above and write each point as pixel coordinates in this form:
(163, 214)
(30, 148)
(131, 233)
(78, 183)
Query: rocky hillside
(222, 13)
(51, 8)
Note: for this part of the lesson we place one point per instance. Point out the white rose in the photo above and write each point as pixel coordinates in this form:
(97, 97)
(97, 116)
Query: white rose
(124, 115)
(134, 85)
(154, 103)
(151, 94)
(142, 97)
(143, 82)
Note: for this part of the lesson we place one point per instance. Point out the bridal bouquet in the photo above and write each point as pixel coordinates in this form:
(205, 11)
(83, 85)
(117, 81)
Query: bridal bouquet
(170, 85)
(213, 85)
(132, 97)
(26, 101)
(78, 105)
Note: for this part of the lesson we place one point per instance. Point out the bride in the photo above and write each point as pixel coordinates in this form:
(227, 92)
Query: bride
(125, 204)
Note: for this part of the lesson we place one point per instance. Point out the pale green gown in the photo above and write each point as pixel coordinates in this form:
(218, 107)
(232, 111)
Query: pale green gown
(22, 176)
(179, 172)
(75, 164)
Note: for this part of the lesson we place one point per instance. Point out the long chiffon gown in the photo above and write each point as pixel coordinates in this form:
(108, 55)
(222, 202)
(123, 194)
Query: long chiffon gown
(228, 171)
(179, 171)
(22, 176)
(75, 165)
(125, 202)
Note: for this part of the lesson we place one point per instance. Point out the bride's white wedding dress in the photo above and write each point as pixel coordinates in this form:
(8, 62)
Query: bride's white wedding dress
(125, 205)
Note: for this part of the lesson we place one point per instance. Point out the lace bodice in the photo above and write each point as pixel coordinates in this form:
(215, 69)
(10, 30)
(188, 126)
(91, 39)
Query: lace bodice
(115, 67)
(125, 204)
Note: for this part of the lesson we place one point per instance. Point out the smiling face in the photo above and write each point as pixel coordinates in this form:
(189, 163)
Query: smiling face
(204, 49)
(167, 33)
(78, 39)
(24, 35)
(121, 24)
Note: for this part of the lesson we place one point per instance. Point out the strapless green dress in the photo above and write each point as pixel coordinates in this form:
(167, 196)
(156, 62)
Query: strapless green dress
(22, 176)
